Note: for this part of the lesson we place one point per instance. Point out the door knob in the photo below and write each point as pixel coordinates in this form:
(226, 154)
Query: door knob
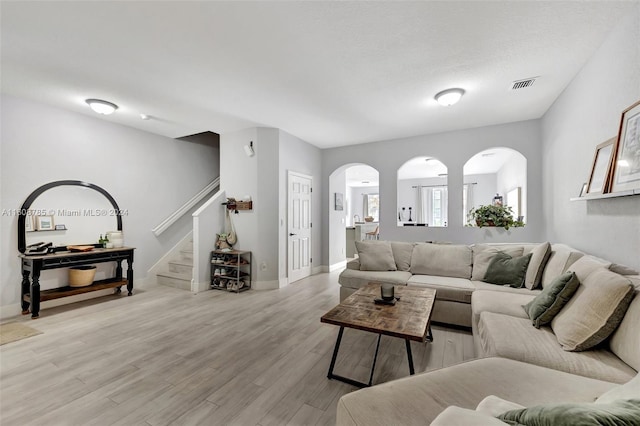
(291, 234)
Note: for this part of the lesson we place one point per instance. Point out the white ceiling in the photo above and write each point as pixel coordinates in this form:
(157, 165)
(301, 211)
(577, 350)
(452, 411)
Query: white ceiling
(422, 167)
(362, 175)
(331, 73)
(488, 161)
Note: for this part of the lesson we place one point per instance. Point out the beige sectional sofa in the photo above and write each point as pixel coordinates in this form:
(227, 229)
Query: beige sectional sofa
(454, 271)
(519, 359)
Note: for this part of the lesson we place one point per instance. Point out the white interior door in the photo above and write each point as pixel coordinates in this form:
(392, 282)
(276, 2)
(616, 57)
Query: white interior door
(299, 227)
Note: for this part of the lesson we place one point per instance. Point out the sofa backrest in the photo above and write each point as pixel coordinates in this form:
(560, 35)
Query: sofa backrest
(562, 256)
(625, 341)
(445, 260)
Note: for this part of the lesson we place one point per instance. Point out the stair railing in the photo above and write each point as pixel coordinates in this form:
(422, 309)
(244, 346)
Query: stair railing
(173, 217)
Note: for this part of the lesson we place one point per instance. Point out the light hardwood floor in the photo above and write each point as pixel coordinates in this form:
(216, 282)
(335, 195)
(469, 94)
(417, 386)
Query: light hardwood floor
(165, 356)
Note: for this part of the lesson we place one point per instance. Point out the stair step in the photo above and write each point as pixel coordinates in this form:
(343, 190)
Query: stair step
(181, 267)
(172, 279)
(186, 254)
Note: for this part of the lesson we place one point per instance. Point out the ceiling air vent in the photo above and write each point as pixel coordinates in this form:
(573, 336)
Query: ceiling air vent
(521, 84)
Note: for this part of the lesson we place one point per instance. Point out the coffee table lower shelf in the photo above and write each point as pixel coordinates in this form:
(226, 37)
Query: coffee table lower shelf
(357, 383)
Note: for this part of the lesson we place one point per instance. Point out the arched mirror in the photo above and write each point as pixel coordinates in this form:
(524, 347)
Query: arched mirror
(423, 193)
(66, 213)
(496, 175)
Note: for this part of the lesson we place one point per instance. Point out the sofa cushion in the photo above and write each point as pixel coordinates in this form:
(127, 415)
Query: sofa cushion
(622, 269)
(402, 254)
(561, 257)
(594, 312)
(630, 390)
(483, 253)
(456, 416)
(498, 302)
(586, 265)
(547, 304)
(494, 406)
(446, 260)
(447, 288)
(539, 256)
(356, 279)
(515, 338)
(504, 269)
(620, 412)
(417, 400)
(504, 288)
(375, 256)
(625, 341)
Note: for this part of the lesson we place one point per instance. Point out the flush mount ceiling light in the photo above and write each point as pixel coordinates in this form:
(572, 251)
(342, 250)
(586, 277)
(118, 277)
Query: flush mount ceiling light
(101, 107)
(449, 97)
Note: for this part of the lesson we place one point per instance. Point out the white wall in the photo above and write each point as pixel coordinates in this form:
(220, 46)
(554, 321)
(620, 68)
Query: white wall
(357, 201)
(511, 175)
(337, 221)
(299, 156)
(263, 230)
(484, 190)
(453, 149)
(586, 114)
(148, 175)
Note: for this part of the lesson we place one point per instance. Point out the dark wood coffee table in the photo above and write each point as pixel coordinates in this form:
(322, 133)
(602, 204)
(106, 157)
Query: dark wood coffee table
(408, 319)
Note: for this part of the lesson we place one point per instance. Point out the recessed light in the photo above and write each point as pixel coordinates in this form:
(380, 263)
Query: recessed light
(101, 107)
(623, 163)
(449, 97)
(442, 174)
(145, 116)
(488, 154)
(365, 181)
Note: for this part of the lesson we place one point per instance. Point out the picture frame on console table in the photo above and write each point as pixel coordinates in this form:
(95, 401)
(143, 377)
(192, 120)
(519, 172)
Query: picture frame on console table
(601, 168)
(626, 167)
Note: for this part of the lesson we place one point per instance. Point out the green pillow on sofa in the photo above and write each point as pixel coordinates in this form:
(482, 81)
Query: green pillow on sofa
(618, 413)
(506, 270)
(547, 304)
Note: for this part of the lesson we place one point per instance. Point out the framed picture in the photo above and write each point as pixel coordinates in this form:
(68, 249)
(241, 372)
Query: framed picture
(28, 223)
(339, 201)
(601, 168)
(626, 167)
(44, 223)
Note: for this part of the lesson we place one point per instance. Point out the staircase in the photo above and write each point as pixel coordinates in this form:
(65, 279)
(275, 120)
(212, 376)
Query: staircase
(180, 270)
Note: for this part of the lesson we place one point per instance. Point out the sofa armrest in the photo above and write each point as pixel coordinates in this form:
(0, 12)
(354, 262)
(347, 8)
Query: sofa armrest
(354, 264)
(456, 416)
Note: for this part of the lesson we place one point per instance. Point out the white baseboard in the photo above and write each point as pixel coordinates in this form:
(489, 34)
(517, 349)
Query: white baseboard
(265, 285)
(339, 265)
(319, 269)
(283, 282)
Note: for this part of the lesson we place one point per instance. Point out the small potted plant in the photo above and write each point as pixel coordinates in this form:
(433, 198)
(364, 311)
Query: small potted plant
(493, 215)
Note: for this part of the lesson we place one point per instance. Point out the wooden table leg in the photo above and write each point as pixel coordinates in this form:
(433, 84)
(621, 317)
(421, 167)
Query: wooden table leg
(35, 294)
(24, 291)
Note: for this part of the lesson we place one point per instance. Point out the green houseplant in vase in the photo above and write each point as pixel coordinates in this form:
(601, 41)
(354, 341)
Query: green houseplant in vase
(493, 215)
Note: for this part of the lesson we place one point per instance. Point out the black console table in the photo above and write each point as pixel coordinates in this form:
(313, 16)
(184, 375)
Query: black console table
(32, 265)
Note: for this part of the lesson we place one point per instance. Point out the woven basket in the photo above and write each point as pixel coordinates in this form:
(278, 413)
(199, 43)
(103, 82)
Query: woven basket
(81, 276)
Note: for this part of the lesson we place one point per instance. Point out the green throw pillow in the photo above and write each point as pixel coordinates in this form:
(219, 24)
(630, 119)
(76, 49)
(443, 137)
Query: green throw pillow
(506, 270)
(618, 413)
(547, 304)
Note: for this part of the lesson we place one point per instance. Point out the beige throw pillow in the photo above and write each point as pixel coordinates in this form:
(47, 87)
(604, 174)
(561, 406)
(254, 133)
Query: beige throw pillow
(444, 260)
(538, 261)
(482, 255)
(402, 254)
(594, 312)
(375, 256)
